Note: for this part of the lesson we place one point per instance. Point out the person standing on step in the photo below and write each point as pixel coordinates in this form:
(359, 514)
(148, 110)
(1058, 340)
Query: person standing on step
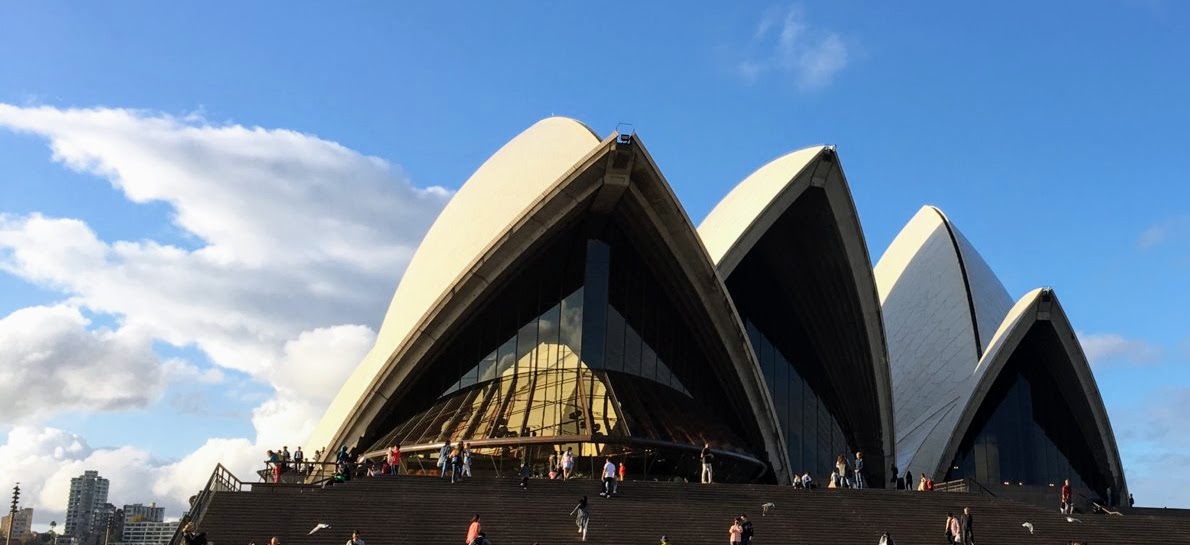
(456, 464)
(859, 470)
(1065, 506)
(567, 463)
(583, 517)
(554, 467)
(736, 532)
(444, 459)
(355, 539)
(525, 473)
(967, 526)
(841, 468)
(609, 478)
(886, 539)
(623, 470)
(708, 458)
(746, 525)
(952, 528)
(473, 530)
(467, 460)
(394, 459)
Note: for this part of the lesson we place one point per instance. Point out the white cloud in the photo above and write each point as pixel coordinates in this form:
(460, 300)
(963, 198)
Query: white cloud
(298, 242)
(297, 232)
(52, 363)
(784, 44)
(1174, 228)
(45, 459)
(1107, 348)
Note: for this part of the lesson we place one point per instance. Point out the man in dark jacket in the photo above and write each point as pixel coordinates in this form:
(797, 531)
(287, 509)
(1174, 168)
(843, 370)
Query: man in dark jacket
(967, 524)
(746, 535)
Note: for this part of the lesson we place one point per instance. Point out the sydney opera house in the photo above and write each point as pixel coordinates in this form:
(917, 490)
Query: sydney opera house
(564, 299)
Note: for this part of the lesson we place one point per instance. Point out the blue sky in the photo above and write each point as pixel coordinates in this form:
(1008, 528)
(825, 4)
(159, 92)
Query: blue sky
(1053, 135)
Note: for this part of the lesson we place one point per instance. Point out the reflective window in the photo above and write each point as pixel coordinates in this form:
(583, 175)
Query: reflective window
(582, 343)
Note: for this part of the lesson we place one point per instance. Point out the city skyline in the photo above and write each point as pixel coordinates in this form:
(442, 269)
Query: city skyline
(199, 236)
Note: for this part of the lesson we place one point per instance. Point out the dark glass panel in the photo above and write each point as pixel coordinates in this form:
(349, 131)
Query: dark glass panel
(614, 355)
(632, 353)
(595, 301)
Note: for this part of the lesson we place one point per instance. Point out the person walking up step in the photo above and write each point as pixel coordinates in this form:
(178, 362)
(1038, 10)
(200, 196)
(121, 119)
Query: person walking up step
(583, 517)
(707, 458)
(473, 530)
(609, 478)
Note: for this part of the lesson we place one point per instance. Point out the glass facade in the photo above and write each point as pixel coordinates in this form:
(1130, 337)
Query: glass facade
(793, 294)
(813, 435)
(583, 348)
(1027, 431)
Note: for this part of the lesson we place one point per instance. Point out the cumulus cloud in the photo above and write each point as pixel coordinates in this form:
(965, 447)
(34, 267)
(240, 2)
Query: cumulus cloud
(1109, 348)
(784, 44)
(296, 232)
(45, 459)
(297, 245)
(53, 363)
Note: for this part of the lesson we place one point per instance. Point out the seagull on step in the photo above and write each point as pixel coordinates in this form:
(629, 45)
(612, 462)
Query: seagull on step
(1028, 525)
(764, 509)
(1072, 519)
(320, 526)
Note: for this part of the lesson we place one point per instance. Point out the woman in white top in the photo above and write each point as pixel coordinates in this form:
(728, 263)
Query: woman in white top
(567, 463)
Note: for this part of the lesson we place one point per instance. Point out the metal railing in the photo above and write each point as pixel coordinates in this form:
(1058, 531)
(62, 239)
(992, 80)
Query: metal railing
(963, 485)
(221, 480)
(304, 472)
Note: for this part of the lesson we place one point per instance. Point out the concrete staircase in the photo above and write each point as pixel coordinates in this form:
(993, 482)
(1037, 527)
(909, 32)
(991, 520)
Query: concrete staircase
(428, 511)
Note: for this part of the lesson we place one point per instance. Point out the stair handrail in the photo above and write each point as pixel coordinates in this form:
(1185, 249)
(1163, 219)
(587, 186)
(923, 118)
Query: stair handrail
(963, 485)
(221, 480)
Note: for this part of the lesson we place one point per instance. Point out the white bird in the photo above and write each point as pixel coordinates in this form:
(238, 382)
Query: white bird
(1072, 519)
(320, 526)
(765, 508)
(1028, 525)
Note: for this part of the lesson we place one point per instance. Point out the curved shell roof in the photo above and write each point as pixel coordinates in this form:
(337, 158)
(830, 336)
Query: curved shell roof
(499, 192)
(743, 216)
(1038, 305)
(748, 212)
(941, 305)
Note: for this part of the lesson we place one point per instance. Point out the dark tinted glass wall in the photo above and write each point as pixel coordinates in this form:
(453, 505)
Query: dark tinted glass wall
(1027, 431)
(812, 433)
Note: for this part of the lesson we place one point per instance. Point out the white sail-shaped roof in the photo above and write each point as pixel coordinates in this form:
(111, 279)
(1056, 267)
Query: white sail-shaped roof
(941, 305)
(544, 180)
(1040, 306)
(828, 232)
(745, 214)
(506, 185)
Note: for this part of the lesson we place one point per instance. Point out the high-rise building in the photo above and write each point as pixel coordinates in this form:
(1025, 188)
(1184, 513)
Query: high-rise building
(21, 522)
(85, 508)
